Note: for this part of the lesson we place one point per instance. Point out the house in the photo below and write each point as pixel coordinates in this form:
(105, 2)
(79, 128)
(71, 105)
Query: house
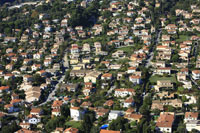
(114, 114)
(42, 73)
(184, 71)
(124, 92)
(71, 130)
(47, 62)
(32, 119)
(120, 75)
(135, 79)
(181, 77)
(157, 105)
(128, 102)
(37, 56)
(27, 61)
(163, 84)
(9, 67)
(56, 112)
(87, 90)
(109, 103)
(27, 78)
(36, 111)
(165, 38)
(165, 122)
(79, 73)
(23, 130)
(97, 46)
(86, 104)
(176, 103)
(196, 74)
(58, 130)
(4, 88)
(159, 64)
(131, 70)
(10, 39)
(163, 70)
(72, 87)
(14, 96)
(193, 124)
(10, 108)
(115, 66)
(25, 125)
(8, 76)
(133, 117)
(76, 113)
(74, 49)
(119, 54)
(43, 16)
(33, 94)
(57, 104)
(109, 131)
(100, 112)
(106, 76)
(16, 102)
(190, 116)
(92, 76)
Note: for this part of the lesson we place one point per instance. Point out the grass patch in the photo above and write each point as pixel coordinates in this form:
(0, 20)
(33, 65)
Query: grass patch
(127, 49)
(182, 38)
(74, 124)
(155, 78)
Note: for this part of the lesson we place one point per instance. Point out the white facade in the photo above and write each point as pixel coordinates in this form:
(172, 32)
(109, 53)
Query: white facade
(194, 124)
(76, 114)
(195, 76)
(135, 80)
(33, 120)
(165, 129)
(123, 93)
(114, 114)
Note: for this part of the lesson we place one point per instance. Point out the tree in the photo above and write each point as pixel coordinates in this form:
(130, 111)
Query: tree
(118, 124)
(11, 128)
(65, 111)
(198, 103)
(181, 128)
(144, 109)
(38, 80)
(88, 121)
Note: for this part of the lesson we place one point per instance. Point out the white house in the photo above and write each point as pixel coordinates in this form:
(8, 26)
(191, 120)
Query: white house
(135, 79)
(76, 114)
(189, 116)
(124, 92)
(163, 70)
(56, 112)
(32, 119)
(165, 122)
(196, 74)
(37, 56)
(131, 70)
(114, 114)
(193, 124)
(128, 102)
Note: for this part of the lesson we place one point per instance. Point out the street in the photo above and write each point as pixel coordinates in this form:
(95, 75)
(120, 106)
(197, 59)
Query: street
(51, 95)
(148, 61)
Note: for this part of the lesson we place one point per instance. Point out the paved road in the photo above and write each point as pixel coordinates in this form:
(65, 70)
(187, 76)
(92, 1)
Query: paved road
(23, 4)
(148, 61)
(66, 62)
(110, 90)
(51, 95)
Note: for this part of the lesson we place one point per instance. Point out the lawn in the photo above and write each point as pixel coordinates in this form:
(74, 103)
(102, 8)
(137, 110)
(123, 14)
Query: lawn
(155, 78)
(74, 124)
(127, 49)
(182, 38)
